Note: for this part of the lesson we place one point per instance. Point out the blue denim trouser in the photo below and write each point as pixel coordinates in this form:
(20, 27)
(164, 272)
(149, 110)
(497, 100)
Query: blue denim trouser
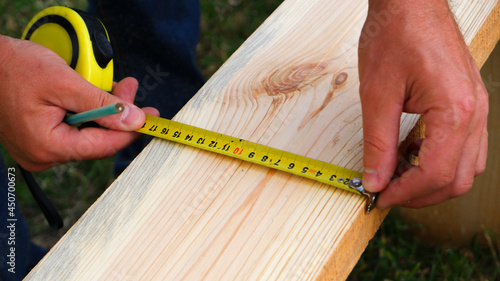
(153, 41)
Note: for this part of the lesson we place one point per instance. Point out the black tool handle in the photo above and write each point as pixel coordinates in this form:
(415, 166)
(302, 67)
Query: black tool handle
(49, 211)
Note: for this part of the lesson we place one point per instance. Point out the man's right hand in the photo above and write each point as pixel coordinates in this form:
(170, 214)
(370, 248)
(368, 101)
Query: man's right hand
(417, 62)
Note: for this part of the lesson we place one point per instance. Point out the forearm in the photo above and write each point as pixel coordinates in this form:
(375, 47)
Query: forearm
(413, 15)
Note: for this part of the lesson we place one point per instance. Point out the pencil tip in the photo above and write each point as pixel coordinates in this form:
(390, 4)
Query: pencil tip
(119, 107)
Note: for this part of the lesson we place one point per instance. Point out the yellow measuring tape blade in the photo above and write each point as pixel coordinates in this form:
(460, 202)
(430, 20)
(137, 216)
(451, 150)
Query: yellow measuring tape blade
(181, 133)
(255, 153)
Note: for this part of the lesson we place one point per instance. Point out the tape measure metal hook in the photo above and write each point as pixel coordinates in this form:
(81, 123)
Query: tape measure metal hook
(357, 184)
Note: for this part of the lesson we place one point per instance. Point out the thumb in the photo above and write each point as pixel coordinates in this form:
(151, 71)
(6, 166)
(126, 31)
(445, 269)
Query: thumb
(84, 96)
(381, 110)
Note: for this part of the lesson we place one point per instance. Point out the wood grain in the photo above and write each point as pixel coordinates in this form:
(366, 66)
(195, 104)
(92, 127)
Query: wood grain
(179, 213)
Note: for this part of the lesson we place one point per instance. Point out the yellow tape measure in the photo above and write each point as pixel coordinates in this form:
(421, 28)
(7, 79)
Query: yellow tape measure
(258, 154)
(82, 40)
(79, 38)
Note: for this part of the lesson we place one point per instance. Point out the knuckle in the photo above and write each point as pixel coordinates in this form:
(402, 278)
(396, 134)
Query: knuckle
(460, 114)
(376, 144)
(443, 178)
(461, 188)
(481, 90)
(462, 106)
(467, 106)
(483, 104)
(480, 169)
(100, 99)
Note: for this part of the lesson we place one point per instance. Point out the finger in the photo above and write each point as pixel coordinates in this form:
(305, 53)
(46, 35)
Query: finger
(473, 157)
(381, 116)
(96, 143)
(464, 176)
(78, 95)
(483, 106)
(78, 145)
(151, 111)
(482, 109)
(93, 143)
(446, 132)
(460, 185)
(126, 89)
(483, 153)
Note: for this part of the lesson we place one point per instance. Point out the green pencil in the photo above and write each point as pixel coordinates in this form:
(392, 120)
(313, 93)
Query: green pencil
(93, 114)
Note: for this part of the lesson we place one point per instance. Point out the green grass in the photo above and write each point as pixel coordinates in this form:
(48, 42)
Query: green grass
(16, 14)
(394, 254)
(225, 26)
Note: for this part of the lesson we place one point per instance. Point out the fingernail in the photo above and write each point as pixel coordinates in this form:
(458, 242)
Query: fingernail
(382, 208)
(370, 179)
(131, 116)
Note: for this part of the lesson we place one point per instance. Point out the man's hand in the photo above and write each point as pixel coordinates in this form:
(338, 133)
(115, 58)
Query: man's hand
(412, 58)
(37, 88)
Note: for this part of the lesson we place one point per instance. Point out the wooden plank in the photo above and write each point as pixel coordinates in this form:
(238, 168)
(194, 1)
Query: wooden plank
(179, 213)
(458, 221)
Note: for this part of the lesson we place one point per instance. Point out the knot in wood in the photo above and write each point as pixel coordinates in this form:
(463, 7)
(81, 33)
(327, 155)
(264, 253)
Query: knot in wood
(291, 79)
(340, 79)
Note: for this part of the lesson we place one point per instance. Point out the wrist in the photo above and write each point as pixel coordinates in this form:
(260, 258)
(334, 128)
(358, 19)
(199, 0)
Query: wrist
(414, 20)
